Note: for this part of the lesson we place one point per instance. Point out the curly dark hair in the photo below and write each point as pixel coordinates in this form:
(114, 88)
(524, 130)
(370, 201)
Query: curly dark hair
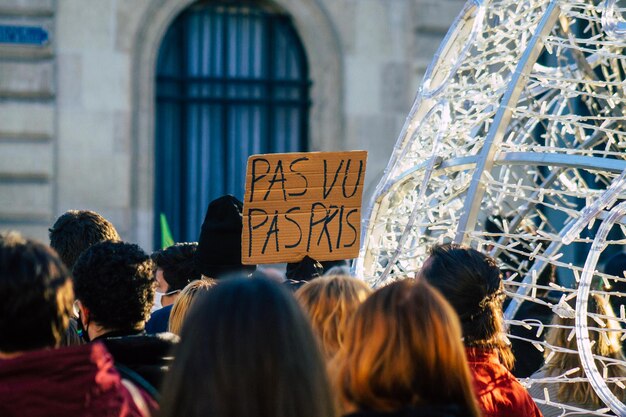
(76, 230)
(177, 264)
(114, 280)
(36, 292)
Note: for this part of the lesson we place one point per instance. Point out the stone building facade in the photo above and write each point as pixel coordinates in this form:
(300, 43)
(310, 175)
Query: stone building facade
(77, 115)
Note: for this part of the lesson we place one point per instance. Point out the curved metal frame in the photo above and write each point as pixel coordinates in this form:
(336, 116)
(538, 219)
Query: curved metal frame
(576, 65)
(501, 121)
(474, 9)
(429, 168)
(613, 23)
(582, 330)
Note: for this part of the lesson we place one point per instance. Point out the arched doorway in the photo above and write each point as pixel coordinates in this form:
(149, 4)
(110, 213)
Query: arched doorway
(232, 80)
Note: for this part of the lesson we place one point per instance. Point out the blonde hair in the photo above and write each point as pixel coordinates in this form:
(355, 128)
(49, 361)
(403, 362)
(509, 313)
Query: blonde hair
(184, 301)
(329, 302)
(403, 348)
(608, 347)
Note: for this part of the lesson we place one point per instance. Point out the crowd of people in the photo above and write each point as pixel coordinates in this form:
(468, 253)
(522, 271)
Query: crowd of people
(94, 326)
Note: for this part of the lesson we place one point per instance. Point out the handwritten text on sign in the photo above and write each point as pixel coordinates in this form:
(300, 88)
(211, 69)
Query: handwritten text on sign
(299, 204)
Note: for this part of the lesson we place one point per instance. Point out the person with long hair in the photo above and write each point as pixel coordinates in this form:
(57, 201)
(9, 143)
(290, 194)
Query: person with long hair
(185, 300)
(247, 350)
(472, 283)
(565, 358)
(330, 301)
(403, 356)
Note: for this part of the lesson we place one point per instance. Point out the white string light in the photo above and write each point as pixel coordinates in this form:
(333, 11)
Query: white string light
(549, 138)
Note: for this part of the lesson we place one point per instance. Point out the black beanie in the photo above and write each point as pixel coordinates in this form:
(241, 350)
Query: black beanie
(305, 270)
(219, 245)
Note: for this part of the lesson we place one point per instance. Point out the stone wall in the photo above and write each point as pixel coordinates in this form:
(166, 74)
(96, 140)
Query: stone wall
(94, 57)
(387, 46)
(28, 136)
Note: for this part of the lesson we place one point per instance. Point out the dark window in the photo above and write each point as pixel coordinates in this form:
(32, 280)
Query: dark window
(232, 81)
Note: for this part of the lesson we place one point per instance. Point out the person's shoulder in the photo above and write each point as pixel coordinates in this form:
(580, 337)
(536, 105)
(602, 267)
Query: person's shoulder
(162, 313)
(500, 393)
(521, 402)
(68, 381)
(485, 365)
(165, 310)
(143, 343)
(62, 358)
(148, 355)
(159, 319)
(144, 404)
(432, 410)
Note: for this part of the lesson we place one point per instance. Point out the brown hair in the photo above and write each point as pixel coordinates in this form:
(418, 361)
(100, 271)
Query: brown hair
(37, 295)
(403, 348)
(76, 230)
(246, 350)
(472, 283)
(329, 302)
(608, 347)
(185, 300)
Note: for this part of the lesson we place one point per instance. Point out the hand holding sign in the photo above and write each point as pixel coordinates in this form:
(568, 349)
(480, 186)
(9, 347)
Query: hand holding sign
(299, 204)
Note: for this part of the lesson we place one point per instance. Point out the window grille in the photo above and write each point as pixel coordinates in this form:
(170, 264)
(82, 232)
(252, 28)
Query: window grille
(232, 81)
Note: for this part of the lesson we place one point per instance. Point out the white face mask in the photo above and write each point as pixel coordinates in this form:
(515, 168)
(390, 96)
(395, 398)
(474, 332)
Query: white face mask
(157, 299)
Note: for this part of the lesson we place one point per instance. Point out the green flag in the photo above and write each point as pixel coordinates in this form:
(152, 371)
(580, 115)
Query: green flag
(166, 235)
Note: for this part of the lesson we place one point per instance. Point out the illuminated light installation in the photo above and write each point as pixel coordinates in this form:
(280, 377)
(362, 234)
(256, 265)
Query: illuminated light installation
(520, 118)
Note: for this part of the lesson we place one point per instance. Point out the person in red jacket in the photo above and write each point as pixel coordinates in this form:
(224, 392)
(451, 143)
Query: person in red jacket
(37, 379)
(472, 284)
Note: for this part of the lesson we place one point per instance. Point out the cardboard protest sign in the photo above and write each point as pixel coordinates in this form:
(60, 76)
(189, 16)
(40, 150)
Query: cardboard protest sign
(299, 204)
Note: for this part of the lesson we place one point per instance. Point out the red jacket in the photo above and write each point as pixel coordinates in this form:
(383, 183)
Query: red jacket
(499, 393)
(77, 381)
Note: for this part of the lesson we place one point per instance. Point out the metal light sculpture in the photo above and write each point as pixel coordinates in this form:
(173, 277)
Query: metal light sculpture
(520, 120)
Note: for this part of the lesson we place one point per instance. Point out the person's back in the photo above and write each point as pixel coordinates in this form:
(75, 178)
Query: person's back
(147, 355)
(498, 391)
(439, 410)
(247, 350)
(69, 381)
(402, 356)
(471, 282)
(114, 287)
(39, 380)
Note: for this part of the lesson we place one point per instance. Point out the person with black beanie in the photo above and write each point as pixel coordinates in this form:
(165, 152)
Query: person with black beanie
(219, 244)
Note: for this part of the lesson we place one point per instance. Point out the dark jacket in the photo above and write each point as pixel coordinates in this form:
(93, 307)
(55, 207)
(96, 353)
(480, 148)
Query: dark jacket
(149, 355)
(448, 410)
(76, 381)
(528, 359)
(159, 320)
(71, 337)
